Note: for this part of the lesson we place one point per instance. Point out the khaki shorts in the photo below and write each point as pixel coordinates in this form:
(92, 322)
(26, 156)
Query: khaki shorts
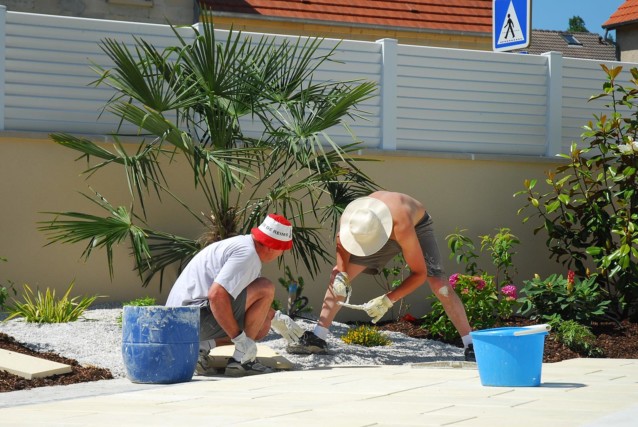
(209, 329)
(425, 233)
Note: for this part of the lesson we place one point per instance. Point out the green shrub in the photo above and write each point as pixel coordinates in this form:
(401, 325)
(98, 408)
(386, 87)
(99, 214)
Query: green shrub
(45, 308)
(588, 206)
(4, 290)
(365, 335)
(578, 338)
(484, 298)
(139, 302)
(484, 305)
(568, 298)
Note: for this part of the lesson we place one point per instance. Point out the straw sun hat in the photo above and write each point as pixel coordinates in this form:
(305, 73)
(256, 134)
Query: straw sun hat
(366, 225)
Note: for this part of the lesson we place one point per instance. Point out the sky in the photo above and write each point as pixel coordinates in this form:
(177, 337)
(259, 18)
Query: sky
(555, 14)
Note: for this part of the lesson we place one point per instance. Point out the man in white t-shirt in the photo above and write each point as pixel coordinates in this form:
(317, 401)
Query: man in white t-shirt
(224, 279)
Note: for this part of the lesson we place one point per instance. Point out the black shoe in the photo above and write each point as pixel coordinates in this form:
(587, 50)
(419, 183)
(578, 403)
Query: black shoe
(237, 369)
(309, 343)
(469, 353)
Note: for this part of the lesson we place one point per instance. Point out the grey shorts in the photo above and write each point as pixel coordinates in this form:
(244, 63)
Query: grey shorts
(209, 329)
(425, 233)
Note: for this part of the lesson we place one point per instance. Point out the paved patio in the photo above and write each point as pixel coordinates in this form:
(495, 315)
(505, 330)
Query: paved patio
(577, 392)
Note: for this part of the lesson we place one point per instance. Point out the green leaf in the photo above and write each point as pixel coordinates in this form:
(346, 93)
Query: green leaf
(552, 206)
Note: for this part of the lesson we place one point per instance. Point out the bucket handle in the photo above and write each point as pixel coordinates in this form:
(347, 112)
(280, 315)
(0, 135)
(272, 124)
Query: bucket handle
(534, 329)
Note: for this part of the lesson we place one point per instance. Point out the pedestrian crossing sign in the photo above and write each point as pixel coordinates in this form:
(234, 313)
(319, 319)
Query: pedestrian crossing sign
(511, 22)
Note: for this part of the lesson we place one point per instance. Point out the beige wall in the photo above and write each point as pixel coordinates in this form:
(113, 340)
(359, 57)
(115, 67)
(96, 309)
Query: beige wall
(314, 29)
(178, 12)
(627, 40)
(37, 175)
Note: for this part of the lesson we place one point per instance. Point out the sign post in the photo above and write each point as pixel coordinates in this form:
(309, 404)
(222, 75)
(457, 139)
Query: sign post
(511, 22)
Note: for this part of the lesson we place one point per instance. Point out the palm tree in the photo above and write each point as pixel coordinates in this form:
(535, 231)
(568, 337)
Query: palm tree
(195, 101)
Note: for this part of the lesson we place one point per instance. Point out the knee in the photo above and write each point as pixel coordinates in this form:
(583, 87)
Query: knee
(263, 287)
(440, 288)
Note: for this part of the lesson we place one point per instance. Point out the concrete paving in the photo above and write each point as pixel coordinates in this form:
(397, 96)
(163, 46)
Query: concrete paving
(30, 367)
(576, 392)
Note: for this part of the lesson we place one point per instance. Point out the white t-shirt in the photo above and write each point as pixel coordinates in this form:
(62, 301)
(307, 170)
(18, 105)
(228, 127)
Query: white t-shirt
(233, 263)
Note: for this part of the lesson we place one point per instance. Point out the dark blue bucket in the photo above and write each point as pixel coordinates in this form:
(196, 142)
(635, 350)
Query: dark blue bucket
(510, 357)
(160, 345)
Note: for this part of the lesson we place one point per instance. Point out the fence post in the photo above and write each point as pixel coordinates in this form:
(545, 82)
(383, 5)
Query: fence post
(554, 142)
(3, 41)
(388, 117)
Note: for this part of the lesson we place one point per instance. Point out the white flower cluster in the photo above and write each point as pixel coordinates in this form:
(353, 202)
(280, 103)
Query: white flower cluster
(628, 148)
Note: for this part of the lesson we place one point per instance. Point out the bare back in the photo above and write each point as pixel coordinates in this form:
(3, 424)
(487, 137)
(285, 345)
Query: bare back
(406, 211)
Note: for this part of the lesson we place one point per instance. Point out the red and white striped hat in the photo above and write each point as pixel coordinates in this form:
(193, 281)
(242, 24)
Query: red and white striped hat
(275, 232)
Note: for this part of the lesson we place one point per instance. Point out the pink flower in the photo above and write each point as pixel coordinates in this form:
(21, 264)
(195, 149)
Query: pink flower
(478, 282)
(509, 291)
(453, 279)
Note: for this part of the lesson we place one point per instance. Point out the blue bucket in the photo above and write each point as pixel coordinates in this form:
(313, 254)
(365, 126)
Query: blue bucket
(160, 345)
(510, 357)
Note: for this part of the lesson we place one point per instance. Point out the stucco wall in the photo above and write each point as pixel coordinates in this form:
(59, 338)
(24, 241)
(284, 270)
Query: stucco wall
(627, 41)
(458, 192)
(313, 28)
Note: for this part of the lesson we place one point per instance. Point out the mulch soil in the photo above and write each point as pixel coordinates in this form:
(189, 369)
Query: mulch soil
(78, 374)
(616, 341)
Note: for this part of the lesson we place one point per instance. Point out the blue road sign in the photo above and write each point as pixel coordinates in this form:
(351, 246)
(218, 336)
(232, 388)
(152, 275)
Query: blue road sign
(511, 22)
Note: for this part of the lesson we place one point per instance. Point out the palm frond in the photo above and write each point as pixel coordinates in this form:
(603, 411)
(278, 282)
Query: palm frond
(166, 250)
(99, 232)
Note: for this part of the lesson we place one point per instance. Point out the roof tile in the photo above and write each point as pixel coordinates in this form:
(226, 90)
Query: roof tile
(626, 13)
(592, 45)
(446, 15)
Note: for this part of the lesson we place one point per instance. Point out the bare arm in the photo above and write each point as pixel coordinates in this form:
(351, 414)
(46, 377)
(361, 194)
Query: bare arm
(343, 259)
(406, 237)
(220, 304)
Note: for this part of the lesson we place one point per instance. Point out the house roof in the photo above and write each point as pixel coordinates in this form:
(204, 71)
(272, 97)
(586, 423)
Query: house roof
(590, 45)
(442, 15)
(627, 13)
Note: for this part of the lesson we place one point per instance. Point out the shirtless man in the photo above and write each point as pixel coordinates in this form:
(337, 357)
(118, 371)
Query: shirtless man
(373, 230)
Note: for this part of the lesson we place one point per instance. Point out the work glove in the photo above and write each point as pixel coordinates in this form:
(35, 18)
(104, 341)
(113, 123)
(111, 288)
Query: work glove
(286, 327)
(375, 308)
(245, 345)
(341, 286)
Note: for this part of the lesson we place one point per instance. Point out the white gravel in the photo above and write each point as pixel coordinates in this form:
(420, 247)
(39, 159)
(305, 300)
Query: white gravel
(96, 339)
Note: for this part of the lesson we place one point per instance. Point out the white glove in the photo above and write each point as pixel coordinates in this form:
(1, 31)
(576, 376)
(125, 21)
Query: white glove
(341, 286)
(245, 345)
(286, 327)
(377, 307)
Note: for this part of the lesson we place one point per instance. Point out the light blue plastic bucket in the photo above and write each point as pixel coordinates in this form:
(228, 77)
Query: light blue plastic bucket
(510, 357)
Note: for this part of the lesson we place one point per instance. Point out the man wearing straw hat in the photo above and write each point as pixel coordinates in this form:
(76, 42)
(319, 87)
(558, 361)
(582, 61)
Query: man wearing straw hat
(373, 230)
(224, 279)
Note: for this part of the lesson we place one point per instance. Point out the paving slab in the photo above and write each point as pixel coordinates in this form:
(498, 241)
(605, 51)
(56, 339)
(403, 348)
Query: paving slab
(30, 367)
(265, 355)
(574, 393)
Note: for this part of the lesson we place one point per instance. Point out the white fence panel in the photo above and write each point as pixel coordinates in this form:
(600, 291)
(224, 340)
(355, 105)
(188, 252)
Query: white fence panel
(352, 62)
(471, 101)
(48, 72)
(582, 79)
(430, 99)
